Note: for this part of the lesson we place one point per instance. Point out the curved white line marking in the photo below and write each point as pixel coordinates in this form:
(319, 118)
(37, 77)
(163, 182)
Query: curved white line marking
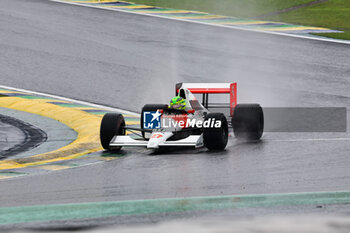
(71, 100)
(210, 24)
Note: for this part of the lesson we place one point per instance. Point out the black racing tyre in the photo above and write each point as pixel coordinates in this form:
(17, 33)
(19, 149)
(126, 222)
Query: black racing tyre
(150, 108)
(248, 121)
(112, 124)
(216, 138)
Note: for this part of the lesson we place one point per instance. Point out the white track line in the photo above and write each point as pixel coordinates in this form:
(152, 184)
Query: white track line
(209, 24)
(71, 100)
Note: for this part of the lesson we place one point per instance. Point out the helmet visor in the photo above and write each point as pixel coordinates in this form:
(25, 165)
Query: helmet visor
(178, 106)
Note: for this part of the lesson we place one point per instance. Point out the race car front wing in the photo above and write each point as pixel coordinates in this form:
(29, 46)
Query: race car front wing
(192, 140)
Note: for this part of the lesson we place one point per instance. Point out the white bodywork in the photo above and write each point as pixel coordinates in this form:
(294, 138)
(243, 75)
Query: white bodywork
(159, 137)
(154, 143)
(156, 138)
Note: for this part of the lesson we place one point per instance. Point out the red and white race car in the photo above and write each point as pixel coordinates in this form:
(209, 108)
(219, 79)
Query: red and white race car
(196, 126)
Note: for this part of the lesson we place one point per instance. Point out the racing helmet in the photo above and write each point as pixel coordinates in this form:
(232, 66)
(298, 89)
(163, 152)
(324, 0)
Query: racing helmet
(178, 103)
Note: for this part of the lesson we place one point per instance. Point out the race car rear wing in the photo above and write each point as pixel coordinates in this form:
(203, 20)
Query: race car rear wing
(212, 88)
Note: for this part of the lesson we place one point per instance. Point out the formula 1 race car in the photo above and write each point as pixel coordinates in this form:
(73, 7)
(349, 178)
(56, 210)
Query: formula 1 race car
(194, 126)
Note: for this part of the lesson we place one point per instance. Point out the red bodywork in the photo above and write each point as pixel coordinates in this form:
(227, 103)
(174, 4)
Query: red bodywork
(228, 88)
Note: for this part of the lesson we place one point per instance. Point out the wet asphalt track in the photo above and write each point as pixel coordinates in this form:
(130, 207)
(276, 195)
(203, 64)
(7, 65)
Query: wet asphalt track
(124, 60)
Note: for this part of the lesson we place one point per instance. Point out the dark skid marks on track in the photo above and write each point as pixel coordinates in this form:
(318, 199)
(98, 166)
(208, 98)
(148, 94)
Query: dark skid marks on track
(33, 137)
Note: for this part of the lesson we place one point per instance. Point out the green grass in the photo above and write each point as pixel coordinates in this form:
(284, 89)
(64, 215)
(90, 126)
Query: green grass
(342, 36)
(334, 14)
(238, 8)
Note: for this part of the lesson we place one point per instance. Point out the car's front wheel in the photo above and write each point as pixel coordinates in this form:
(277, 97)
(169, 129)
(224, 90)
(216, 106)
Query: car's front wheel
(112, 124)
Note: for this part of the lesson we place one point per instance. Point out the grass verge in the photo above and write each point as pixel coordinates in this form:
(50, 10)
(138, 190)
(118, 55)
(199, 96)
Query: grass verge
(237, 8)
(334, 14)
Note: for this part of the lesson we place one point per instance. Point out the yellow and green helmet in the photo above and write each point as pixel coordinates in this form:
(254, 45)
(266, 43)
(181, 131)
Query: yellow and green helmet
(178, 103)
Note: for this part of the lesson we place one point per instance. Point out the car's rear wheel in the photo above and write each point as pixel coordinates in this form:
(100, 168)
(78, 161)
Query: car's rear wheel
(216, 138)
(150, 108)
(248, 121)
(112, 124)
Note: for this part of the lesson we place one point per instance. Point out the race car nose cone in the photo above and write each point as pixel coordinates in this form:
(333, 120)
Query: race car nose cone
(152, 145)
